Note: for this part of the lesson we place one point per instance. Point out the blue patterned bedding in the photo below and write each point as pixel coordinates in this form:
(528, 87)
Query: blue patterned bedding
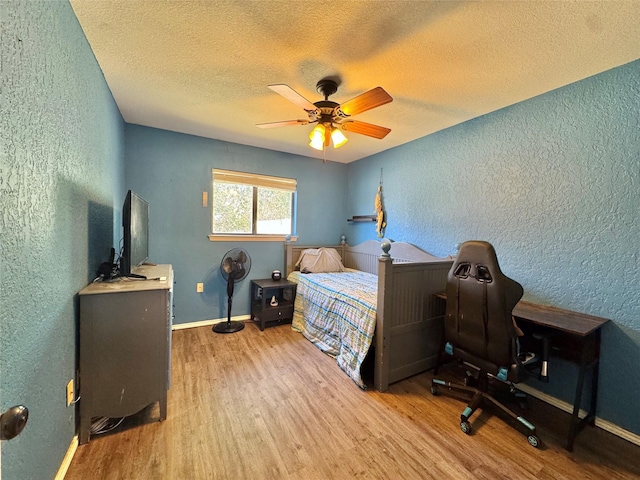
(337, 312)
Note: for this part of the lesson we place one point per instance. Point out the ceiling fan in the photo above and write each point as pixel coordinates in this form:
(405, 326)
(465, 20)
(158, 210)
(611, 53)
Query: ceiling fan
(331, 117)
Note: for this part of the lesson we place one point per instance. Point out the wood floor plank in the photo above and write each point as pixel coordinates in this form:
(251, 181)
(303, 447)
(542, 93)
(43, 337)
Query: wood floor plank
(269, 405)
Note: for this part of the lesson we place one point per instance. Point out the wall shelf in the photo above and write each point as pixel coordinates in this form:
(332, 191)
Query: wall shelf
(363, 218)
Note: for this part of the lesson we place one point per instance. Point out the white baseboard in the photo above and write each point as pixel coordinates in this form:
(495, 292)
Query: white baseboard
(204, 323)
(66, 461)
(567, 407)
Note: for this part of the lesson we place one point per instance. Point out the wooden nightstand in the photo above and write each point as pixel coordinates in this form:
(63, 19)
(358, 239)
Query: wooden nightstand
(262, 293)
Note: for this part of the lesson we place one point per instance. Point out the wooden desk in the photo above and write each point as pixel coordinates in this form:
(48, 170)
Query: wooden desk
(581, 333)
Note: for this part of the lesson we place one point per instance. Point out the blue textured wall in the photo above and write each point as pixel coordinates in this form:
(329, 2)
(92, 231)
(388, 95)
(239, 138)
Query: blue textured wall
(171, 170)
(62, 167)
(554, 184)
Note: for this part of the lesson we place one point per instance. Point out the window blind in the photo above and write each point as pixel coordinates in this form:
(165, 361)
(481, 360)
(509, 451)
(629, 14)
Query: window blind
(229, 176)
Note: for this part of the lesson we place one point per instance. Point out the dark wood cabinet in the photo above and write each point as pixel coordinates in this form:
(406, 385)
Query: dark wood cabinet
(125, 346)
(272, 301)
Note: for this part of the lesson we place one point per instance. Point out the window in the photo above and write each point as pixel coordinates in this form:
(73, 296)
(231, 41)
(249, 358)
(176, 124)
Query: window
(249, 205)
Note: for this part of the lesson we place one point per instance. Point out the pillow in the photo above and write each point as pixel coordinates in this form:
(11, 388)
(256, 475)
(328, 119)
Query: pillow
(320, 260)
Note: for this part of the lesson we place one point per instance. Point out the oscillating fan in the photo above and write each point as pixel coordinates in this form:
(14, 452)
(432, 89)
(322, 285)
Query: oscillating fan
(234, 267)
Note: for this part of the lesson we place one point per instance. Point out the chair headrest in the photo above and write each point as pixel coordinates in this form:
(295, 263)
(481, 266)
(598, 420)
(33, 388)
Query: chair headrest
(476, 269)
(476, 259)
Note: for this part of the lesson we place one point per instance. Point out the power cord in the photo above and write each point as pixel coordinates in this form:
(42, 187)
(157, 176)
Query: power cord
(104, 424)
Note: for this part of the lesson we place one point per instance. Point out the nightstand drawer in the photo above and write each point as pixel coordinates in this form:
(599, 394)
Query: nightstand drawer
(280, 312)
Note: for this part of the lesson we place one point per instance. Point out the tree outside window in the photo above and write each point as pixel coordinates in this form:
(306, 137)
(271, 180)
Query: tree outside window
(250, 204)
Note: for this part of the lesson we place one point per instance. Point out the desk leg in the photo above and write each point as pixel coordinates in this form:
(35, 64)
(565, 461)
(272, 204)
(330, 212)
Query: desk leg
(573, 426)
(594, 378)
(589, 361)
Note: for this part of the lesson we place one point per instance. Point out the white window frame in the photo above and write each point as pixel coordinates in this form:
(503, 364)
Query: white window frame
(253, 180)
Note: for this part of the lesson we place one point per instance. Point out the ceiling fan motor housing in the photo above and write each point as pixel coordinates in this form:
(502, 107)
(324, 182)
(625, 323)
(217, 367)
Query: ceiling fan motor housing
(326, 113)
(327, 87)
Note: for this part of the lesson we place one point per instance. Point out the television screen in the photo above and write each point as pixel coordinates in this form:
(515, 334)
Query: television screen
(135, 222)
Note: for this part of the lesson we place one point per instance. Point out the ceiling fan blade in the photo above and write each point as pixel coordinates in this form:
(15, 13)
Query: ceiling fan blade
(282, 124)
(290, 94)
(368, 100)
(364, 128)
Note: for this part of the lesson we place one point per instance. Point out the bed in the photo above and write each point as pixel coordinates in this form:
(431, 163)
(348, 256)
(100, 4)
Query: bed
(398, 328)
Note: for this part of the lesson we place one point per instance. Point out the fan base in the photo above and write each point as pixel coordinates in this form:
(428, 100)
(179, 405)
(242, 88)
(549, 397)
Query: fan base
(228, 327)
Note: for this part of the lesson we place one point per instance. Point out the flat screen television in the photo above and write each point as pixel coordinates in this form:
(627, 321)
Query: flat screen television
(135, 223)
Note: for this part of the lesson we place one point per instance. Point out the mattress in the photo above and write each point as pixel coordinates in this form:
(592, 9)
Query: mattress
(337, 312)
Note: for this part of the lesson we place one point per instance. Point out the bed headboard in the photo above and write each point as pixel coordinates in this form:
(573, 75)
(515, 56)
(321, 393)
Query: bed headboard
(363, 256)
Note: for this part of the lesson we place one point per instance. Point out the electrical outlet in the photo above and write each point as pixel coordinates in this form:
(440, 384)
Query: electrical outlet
(70, 392)
(199, 287)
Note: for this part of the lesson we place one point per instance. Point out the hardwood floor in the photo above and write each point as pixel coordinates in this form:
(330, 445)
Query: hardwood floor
(270, 405)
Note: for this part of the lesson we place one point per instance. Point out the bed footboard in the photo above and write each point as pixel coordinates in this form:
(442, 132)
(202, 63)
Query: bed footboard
(408, 328)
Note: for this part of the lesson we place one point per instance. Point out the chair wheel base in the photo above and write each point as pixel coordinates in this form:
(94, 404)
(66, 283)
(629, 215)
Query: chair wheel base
(534, 441)
(465, 427)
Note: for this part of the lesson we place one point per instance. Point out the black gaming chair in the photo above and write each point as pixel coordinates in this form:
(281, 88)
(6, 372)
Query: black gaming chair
(480, 331)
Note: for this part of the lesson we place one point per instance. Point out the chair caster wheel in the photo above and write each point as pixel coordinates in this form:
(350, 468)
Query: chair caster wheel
(434, 390)
(533, 441)
(465, 427)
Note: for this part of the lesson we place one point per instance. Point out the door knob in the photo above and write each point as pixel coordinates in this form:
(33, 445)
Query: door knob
(13, 421)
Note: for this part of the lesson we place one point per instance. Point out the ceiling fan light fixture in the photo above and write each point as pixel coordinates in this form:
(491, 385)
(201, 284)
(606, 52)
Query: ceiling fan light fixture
(338, 138)
(317, 137)
(331, 117)
(319, 140)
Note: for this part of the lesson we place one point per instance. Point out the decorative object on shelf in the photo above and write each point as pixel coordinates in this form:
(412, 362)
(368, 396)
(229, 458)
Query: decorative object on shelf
(235, 266)
(274, 301)
(379, 209)
(276, 275)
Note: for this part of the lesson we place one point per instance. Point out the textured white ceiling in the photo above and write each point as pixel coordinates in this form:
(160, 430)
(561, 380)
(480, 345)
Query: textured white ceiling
(202, 67)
